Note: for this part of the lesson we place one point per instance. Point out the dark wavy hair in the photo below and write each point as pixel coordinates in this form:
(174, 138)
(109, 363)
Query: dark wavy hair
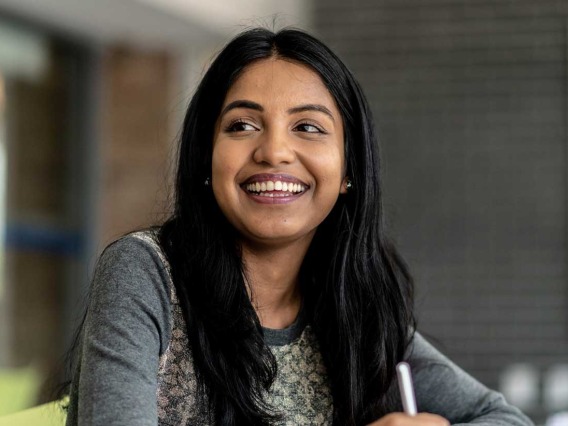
(356, 289)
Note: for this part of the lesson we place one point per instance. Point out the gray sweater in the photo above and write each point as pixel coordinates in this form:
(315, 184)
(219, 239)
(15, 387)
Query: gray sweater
(135, 367)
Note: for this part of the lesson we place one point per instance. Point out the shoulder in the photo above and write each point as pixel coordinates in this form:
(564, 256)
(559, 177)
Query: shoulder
(138, 255)
(131, 279)
(136, 246)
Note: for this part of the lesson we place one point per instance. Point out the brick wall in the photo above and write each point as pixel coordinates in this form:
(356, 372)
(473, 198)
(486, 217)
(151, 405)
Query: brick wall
(470, 98)
(136, 140)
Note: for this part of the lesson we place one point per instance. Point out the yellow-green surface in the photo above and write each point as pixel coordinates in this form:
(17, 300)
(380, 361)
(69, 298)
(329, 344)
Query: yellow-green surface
(18, 389)
(43, 415)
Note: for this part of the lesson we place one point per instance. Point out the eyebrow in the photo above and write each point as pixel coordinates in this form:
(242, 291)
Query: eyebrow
(311, 107)
(242, 104)
(257, 107)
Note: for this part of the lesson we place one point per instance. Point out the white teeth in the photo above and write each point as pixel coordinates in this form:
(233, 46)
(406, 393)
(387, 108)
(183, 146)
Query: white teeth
(282, 187)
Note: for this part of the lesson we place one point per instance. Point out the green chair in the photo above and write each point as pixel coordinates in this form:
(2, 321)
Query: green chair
(50, 414)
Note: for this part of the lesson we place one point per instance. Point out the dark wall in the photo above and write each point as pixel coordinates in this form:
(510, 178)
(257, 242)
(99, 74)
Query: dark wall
(470, 99)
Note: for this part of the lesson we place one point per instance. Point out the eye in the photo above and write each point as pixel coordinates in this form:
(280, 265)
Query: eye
(308, 128)
(240, 126)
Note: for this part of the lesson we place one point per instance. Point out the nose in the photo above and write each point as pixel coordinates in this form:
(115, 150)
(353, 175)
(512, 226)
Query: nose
(274, 148)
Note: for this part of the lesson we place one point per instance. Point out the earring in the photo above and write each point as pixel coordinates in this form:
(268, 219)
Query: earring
(349, 185)
(207, 181)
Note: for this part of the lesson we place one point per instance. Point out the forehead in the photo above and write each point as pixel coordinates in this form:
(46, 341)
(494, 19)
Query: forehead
(280, 82)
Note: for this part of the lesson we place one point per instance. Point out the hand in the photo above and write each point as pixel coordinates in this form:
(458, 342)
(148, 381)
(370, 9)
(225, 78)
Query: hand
(401, 419)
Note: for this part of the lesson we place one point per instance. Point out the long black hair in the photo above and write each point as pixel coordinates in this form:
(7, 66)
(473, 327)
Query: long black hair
(356, 289)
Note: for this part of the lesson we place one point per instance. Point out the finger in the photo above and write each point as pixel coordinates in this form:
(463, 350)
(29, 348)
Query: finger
(401, 419)
(432, 419)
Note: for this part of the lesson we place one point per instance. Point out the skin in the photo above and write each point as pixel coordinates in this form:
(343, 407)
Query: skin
(421, 419)
(264, 129)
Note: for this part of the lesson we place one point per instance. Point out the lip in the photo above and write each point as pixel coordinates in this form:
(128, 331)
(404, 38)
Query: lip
(274, 200)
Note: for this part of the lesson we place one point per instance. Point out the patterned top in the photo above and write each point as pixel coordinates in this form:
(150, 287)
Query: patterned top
(300, 390)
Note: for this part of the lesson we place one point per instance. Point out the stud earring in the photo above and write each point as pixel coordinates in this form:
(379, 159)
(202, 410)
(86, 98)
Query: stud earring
(207, 181)
(349, 185)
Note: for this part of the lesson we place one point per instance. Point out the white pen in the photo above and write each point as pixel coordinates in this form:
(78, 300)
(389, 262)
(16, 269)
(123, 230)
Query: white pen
(406, 388)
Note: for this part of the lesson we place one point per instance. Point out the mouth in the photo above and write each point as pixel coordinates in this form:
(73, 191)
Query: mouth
(274, 186)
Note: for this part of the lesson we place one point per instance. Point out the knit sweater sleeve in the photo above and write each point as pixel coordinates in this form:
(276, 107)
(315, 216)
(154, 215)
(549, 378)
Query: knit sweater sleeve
(125, 330)
(443, 388)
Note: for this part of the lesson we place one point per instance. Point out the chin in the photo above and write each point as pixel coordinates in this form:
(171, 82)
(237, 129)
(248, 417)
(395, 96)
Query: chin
(274, 239)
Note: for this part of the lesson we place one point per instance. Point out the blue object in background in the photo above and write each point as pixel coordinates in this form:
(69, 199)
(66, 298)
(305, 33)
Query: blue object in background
(44, 239)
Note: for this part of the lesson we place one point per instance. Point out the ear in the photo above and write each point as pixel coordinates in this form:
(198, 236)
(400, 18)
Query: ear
(344, 185)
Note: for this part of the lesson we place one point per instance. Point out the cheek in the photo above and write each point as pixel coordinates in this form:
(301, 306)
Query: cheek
(331, 168)
(220, 174)
(227, 162)
(223, 164)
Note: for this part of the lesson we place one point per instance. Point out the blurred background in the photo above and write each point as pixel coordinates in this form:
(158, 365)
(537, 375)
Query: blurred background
(470, 97)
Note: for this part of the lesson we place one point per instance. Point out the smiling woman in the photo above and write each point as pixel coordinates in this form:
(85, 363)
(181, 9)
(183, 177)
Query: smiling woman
(271, 295)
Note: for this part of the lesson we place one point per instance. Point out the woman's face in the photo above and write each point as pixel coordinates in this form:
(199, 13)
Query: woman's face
(278, 162)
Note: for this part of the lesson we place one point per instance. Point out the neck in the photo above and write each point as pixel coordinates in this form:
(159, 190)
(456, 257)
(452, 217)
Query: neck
(272, 274)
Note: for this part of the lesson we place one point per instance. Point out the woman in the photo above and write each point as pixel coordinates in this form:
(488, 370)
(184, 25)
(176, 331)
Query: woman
(271, 295)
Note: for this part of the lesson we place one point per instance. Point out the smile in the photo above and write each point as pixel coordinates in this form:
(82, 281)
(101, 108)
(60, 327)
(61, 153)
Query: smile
(270, 188)
(274, 188)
